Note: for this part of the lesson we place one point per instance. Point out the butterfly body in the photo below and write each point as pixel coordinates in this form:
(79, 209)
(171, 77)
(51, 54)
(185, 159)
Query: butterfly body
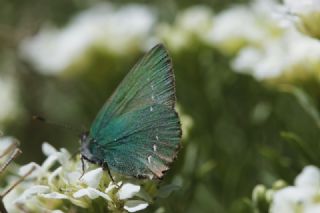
(137, 132)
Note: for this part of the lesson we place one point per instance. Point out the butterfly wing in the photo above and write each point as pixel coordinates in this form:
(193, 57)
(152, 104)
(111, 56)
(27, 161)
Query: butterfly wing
(137, 131)
(150, 81)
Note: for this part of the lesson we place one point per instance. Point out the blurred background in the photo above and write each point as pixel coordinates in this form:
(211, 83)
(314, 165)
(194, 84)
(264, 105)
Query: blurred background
(247, 86)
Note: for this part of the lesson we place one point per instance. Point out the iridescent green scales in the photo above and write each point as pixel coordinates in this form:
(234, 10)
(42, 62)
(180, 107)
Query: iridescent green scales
(137, 132)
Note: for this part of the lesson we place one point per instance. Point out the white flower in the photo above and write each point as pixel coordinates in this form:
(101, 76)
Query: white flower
(303, 7)
(128, 190)
(93, 177)
(135, 205)
(47, 149)
(118, 30)
(193, 23)
(309, 178)
(54, 195)
(91, 193)
(308, 15)
(284, 55)
(196, 20)
(26, 168)
(241, 25)
(229, 27)
(30, 192)
(5, 144)
(302, 197)
(62, 184)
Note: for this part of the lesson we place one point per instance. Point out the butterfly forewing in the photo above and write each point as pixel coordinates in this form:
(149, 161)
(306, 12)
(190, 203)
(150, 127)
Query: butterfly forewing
(137, 132)
(150, 81)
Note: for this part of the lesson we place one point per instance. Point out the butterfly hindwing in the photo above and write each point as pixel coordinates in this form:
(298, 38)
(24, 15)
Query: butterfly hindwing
(141, 142)
(137, 132)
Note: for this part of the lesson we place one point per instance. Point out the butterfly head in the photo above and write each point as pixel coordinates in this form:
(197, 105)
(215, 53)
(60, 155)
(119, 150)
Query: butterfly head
(86, 140)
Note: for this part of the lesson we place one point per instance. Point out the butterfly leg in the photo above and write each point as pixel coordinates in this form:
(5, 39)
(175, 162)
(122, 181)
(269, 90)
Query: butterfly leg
(82, 165)
(106, 167)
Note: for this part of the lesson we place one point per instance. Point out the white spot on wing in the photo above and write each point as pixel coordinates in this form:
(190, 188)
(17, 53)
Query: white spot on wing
(149, 159)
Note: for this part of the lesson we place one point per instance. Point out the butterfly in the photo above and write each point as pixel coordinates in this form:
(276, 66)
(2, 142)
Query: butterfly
(137, 132)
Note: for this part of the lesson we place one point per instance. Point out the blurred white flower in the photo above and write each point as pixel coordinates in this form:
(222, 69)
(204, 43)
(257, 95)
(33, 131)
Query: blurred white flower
(118, 30)
(193, 23)
(196, 20)
(302, 7)
(8, 98)
(242, 25)
(286, 55)
(303, 197)
(307, 15)
(309, 178)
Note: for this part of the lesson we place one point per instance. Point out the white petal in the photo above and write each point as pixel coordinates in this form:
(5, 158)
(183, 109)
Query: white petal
(57, 211)
(309, 178)
(23, 170)
(53, 175)
(303, 7)
(48, 163)
(92, 178)
(91, 193)
(135, 205)
(54, 195)
(34, 190)
(73, 177)
(128, 190)
(5, 142)
(111, 187)
(47, 149)
(291, 198)
(63, 156)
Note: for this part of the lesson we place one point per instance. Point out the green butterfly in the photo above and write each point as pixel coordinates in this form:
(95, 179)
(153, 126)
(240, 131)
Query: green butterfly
(137, 132)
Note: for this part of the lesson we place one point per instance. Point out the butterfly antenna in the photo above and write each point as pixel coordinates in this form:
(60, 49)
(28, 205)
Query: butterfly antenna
(62, 126)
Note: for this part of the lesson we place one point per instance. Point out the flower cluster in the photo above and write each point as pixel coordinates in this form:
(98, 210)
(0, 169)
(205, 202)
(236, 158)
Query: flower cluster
(265, 46)
(303, 197)
(306, 15)
(119, 30)
(191, 25)
(58, 185)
